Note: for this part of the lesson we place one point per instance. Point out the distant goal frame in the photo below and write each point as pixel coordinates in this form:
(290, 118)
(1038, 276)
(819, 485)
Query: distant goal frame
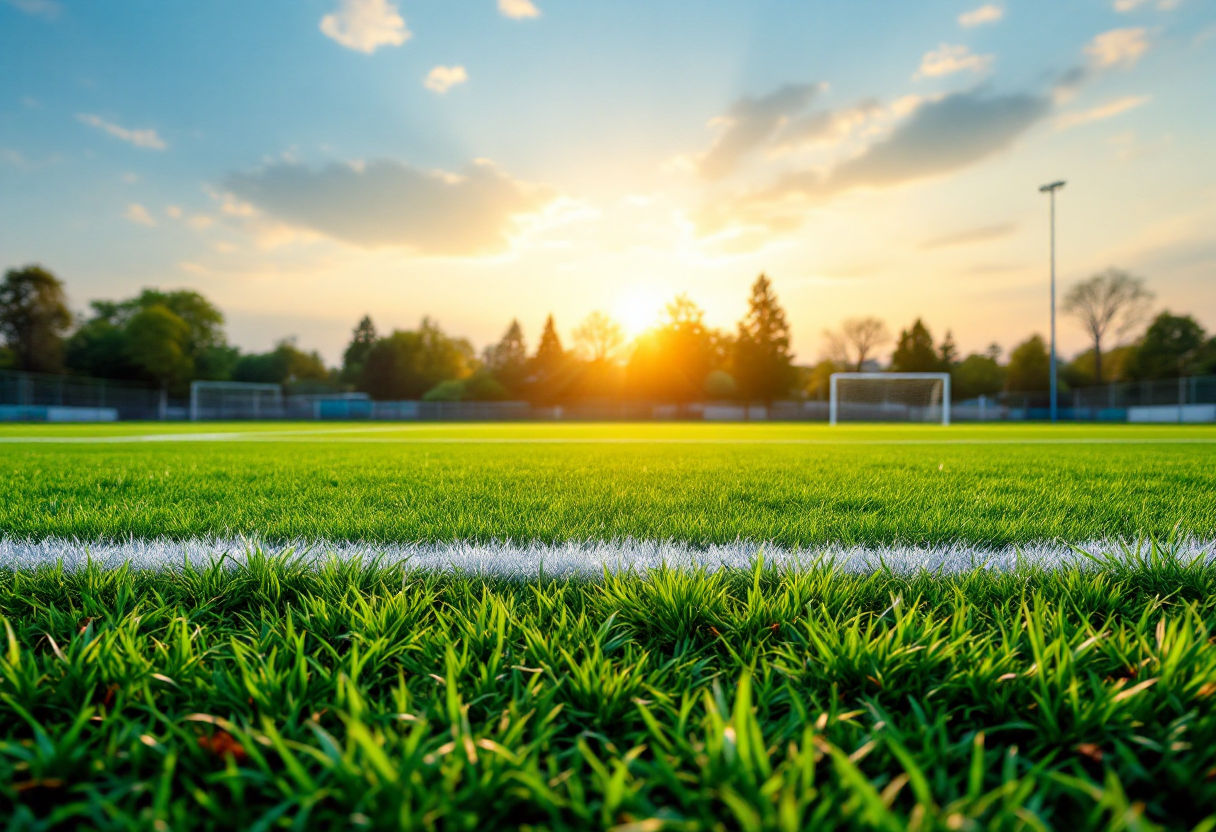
(834, 399)
(256, 411)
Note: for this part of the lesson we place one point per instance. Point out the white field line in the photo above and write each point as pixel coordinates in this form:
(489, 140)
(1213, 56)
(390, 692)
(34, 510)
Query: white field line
(586, 558)
(326, 436)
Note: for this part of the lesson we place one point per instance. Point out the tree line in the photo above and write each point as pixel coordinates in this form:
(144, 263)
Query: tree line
(170, 338)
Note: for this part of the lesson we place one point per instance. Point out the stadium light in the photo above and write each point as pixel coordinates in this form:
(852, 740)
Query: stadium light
(1051, 189)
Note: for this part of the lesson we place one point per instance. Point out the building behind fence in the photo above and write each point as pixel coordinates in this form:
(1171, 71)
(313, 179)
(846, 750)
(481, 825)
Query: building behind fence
(60, 398)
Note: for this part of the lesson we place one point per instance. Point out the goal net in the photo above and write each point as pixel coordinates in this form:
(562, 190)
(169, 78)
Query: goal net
(235, 400)
(890, 397)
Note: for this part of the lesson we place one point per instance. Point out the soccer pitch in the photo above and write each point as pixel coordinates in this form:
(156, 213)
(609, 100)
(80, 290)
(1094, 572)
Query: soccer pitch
(562, 649)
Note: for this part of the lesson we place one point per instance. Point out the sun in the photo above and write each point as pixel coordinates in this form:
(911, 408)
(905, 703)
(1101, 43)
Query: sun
(637, 311)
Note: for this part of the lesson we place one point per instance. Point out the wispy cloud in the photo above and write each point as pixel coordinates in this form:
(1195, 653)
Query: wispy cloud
(518, 9)
(1102, 111)
(388, 203)
(443, 78)
(750, 122)
(147, 139)
(366, 25)
(46, 9)
(947, 60)
(971, 235)
(978, 17)
(139, 215)
(1118, 47)
(1124, 6)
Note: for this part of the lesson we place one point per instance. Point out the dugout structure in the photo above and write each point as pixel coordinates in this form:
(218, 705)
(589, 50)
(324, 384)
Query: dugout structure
(221, 400)
(890, 397)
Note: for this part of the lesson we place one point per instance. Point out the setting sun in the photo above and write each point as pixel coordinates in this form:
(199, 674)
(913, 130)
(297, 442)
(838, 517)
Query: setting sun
(638, 311)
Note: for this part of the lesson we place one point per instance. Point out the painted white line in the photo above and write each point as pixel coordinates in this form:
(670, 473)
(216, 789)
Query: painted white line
(325, 436)
(584, 558)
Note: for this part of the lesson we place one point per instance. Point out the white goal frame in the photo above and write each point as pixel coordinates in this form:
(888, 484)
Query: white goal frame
(274, 391)
(944, 378)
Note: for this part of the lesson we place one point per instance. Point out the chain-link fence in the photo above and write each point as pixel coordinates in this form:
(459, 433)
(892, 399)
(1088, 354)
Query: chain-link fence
(44, 397)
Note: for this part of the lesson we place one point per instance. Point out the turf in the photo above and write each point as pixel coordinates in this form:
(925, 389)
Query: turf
(274, 695)
(794, 485)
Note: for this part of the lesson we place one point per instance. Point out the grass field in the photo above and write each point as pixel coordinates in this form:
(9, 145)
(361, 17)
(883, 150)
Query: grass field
(795, 485)
(280, 693)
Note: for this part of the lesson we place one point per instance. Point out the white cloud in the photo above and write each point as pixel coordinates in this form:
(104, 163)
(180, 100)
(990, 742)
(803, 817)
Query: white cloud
(1118, 47)
(366, 25)
(47, 9)
(1123, 6)
(984, 14)
(1102, 111)
(147, 139)
(173, 212)
(200, 222)
(443, 78)
(947, 60)
(138, 214)
(518, 9)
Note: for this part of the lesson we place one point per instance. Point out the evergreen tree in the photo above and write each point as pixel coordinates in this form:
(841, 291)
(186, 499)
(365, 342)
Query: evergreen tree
(914, 352)
(508, 359)
(947, 352)
(549, 370)
(355, 357)
(764, 368)
(1029, 367)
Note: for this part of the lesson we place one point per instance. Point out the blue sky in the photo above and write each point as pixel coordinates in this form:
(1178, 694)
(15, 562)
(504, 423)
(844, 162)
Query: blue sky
(302, 162)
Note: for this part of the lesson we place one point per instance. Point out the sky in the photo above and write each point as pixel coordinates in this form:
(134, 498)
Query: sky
(304, 162)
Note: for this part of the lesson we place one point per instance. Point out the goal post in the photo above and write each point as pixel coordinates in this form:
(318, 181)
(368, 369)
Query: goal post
(217, 400)
(890, 397)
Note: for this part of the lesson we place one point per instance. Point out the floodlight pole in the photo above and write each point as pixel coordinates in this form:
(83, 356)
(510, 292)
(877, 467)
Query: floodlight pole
(1050, 190)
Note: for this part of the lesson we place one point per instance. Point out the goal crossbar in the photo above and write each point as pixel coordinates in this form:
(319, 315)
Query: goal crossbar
(235, 400)
(834, 402)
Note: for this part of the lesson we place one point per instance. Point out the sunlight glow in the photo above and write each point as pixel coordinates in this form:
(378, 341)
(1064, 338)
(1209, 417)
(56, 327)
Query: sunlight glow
(638, 311)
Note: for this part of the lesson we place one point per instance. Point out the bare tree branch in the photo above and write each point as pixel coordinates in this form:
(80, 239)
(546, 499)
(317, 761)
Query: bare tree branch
(1110, 298)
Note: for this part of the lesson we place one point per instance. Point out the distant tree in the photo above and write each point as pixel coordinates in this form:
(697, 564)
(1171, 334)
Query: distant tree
(856, 342)
(598, 336)
(34, 318)
(672, 361)
(764, 365)
(1110, 298)
(285, 364)
(551, 374)
(1029, 367)
(947, 352)
(407, 364)
(819, 379)
(508, 359)
(914, 352)
(1170, 348)
(355, 356)
(720, 384)
(156, 343)
(976, 375)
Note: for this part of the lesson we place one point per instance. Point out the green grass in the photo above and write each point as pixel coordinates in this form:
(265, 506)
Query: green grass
(797, 485)
(275, 696)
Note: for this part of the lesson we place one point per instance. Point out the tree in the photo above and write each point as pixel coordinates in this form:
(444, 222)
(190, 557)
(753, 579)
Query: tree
(672, 361)
(508, 359)
(550, 371)
(947, 352)
(856, 342)
(34, 318)
(285, 364)
(764, 365)
(598, 336)
(1110, 298)
(407, 364)
(1169, 348)
(156, 343)
(976, 375)
(355, 356)
(914, 352)
(1029, 367)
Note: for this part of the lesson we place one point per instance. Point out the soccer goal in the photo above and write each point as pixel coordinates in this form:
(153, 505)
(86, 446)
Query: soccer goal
(235, 400)
(890, 397)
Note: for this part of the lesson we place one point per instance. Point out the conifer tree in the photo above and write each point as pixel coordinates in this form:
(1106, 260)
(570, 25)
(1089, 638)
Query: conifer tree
(763, 362)
(914, 352)
(360, 345)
